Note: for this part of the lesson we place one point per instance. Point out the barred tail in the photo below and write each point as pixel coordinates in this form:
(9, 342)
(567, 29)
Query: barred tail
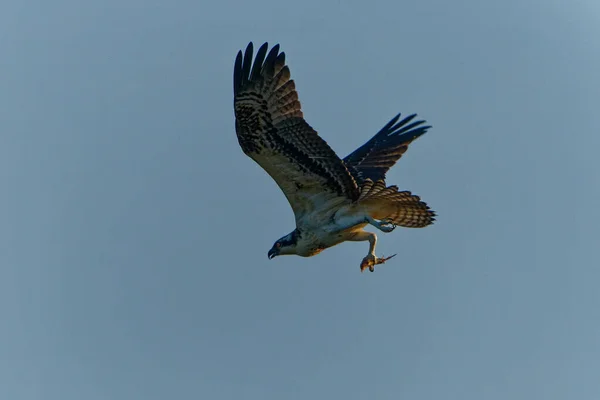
(402, 208)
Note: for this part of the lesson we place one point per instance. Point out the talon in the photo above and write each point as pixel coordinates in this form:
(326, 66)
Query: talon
(368, 262)
(387, 225)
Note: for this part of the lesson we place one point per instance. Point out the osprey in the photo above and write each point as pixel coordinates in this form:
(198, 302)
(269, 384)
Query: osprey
(333, 199)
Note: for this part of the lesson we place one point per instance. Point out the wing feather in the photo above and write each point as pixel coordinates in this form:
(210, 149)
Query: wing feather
(272, 131)
(373, 159)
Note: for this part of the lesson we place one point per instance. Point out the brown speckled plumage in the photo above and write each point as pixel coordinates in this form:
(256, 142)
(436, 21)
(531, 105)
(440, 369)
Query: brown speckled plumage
(321, 188)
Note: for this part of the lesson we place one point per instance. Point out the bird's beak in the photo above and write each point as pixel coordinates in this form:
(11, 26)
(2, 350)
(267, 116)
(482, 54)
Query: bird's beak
(272, 253)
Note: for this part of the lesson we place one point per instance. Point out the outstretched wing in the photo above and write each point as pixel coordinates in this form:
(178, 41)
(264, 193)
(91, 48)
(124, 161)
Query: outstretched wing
(271, 130)
(373, 159)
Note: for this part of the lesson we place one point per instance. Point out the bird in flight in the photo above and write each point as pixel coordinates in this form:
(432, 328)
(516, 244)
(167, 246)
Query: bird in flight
(333, 199)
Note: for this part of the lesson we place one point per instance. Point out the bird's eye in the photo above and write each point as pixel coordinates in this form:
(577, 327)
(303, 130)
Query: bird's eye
(278, 245)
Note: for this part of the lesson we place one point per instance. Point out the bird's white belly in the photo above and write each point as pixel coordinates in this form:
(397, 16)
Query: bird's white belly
(337, 228)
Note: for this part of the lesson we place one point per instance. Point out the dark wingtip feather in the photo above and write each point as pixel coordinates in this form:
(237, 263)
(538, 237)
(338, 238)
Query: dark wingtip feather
(269, 64)
(406, 133)
(400, 124)
(409, 136)
(237, 73)
(246, 70)
(258, 61)
(280, 58)
(395, 128)
(386, 128)
(247, 63)
(272, 54)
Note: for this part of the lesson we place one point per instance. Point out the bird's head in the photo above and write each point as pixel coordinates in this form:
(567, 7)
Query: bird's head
(285, 246)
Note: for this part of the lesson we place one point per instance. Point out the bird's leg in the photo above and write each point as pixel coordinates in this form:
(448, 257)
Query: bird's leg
(371, 259)
(385, 225)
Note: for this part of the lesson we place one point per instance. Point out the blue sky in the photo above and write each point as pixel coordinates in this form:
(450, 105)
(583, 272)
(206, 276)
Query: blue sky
(134, 231)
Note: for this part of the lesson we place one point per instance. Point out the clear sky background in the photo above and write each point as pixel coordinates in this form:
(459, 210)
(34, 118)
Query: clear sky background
(134, 232)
